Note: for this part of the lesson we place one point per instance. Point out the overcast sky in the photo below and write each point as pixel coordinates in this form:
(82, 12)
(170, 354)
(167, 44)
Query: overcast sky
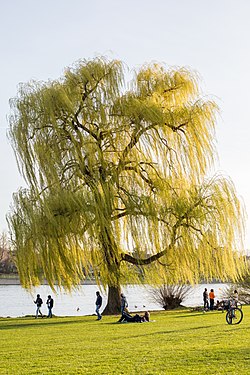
(40, 38)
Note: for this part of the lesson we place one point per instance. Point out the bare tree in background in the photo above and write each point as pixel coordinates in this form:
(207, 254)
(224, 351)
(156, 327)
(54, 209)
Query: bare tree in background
(170, 296)
(6, 257)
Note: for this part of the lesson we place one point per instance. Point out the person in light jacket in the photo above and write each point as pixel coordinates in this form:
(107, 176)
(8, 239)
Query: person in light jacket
(124, 303)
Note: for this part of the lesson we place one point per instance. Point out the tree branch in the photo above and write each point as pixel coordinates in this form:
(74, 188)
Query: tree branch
(140, 262)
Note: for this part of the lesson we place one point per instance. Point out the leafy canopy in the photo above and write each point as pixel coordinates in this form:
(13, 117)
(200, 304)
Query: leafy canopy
(116, 178)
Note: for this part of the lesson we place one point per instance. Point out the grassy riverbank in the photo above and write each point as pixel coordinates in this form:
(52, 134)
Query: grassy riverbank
(179, 342)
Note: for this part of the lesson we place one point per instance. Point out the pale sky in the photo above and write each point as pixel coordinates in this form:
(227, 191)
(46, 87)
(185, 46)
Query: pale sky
(40, 38)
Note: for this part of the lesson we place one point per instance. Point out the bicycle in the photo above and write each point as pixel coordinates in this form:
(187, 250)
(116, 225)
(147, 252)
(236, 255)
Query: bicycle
(224, 305)
(234, 313)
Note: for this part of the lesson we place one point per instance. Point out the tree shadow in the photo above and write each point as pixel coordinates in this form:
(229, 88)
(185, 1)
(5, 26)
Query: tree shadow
(40, 322)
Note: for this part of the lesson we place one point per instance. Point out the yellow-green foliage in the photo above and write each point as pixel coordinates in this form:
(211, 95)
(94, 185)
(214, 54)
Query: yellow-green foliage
(117, 180)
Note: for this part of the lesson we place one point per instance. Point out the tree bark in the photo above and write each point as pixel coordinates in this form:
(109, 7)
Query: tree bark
(113, 306)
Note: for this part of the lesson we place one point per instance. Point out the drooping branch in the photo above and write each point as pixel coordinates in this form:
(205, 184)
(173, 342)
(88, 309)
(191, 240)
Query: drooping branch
(81, 126)
(177, 127)
(139, 172)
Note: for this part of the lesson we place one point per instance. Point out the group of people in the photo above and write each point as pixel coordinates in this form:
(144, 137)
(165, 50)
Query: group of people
(209, 298)
(39, 302)
(125, 315)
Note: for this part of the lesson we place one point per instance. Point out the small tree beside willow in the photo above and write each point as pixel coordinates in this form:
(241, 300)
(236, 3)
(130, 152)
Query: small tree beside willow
(7, 261)
(170, 297)
(110, 169)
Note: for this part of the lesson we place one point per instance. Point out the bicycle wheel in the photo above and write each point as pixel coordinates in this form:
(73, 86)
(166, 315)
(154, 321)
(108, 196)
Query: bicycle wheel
(234, 316)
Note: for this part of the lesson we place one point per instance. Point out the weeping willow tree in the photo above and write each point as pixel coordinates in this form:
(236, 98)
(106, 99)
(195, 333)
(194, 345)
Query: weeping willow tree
(117, 184)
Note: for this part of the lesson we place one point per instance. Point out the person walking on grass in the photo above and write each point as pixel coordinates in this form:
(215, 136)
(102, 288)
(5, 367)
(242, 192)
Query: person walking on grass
(50, 304)
(98, 304)
(38, 303)
(211, 299)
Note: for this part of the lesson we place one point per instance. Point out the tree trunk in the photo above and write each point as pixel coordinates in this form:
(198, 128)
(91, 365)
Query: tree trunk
(113, 306)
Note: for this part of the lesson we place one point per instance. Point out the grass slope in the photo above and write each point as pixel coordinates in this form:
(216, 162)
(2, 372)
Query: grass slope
(179, 342)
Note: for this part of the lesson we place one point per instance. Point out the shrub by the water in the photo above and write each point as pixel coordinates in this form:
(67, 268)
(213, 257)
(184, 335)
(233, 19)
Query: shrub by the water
(170, 296)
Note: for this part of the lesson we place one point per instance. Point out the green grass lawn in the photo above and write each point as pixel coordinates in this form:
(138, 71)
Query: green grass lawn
(177, 342)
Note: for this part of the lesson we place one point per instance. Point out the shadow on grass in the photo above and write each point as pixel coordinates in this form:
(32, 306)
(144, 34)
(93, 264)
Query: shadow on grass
(167, 332)
(38, 323)
(189, 315)
(62, 321)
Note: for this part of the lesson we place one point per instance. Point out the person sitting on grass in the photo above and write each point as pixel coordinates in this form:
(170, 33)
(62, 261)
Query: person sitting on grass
(218, 305)
(126, 317)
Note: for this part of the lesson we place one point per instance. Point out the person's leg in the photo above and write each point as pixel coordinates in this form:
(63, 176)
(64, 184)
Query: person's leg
(122, 318)
(49, 312)
(128, 318)
(211, 304)
(37, 311)
(98, 313)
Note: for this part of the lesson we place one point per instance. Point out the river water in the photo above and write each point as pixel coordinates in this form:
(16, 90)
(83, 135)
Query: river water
(17, 302)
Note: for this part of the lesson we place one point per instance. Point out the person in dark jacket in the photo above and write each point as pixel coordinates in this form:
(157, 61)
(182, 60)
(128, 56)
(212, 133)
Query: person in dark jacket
(38, 303)
(126, 317)
(50, 304)
(98, 304)
(205, 299)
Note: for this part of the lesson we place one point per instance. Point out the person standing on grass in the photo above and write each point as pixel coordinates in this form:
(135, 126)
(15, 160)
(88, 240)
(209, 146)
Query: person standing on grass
(124, 303)
(38, 303)
(205, 299)
(50, 304)
(211, 299)
(236, 297)
(98, 304)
